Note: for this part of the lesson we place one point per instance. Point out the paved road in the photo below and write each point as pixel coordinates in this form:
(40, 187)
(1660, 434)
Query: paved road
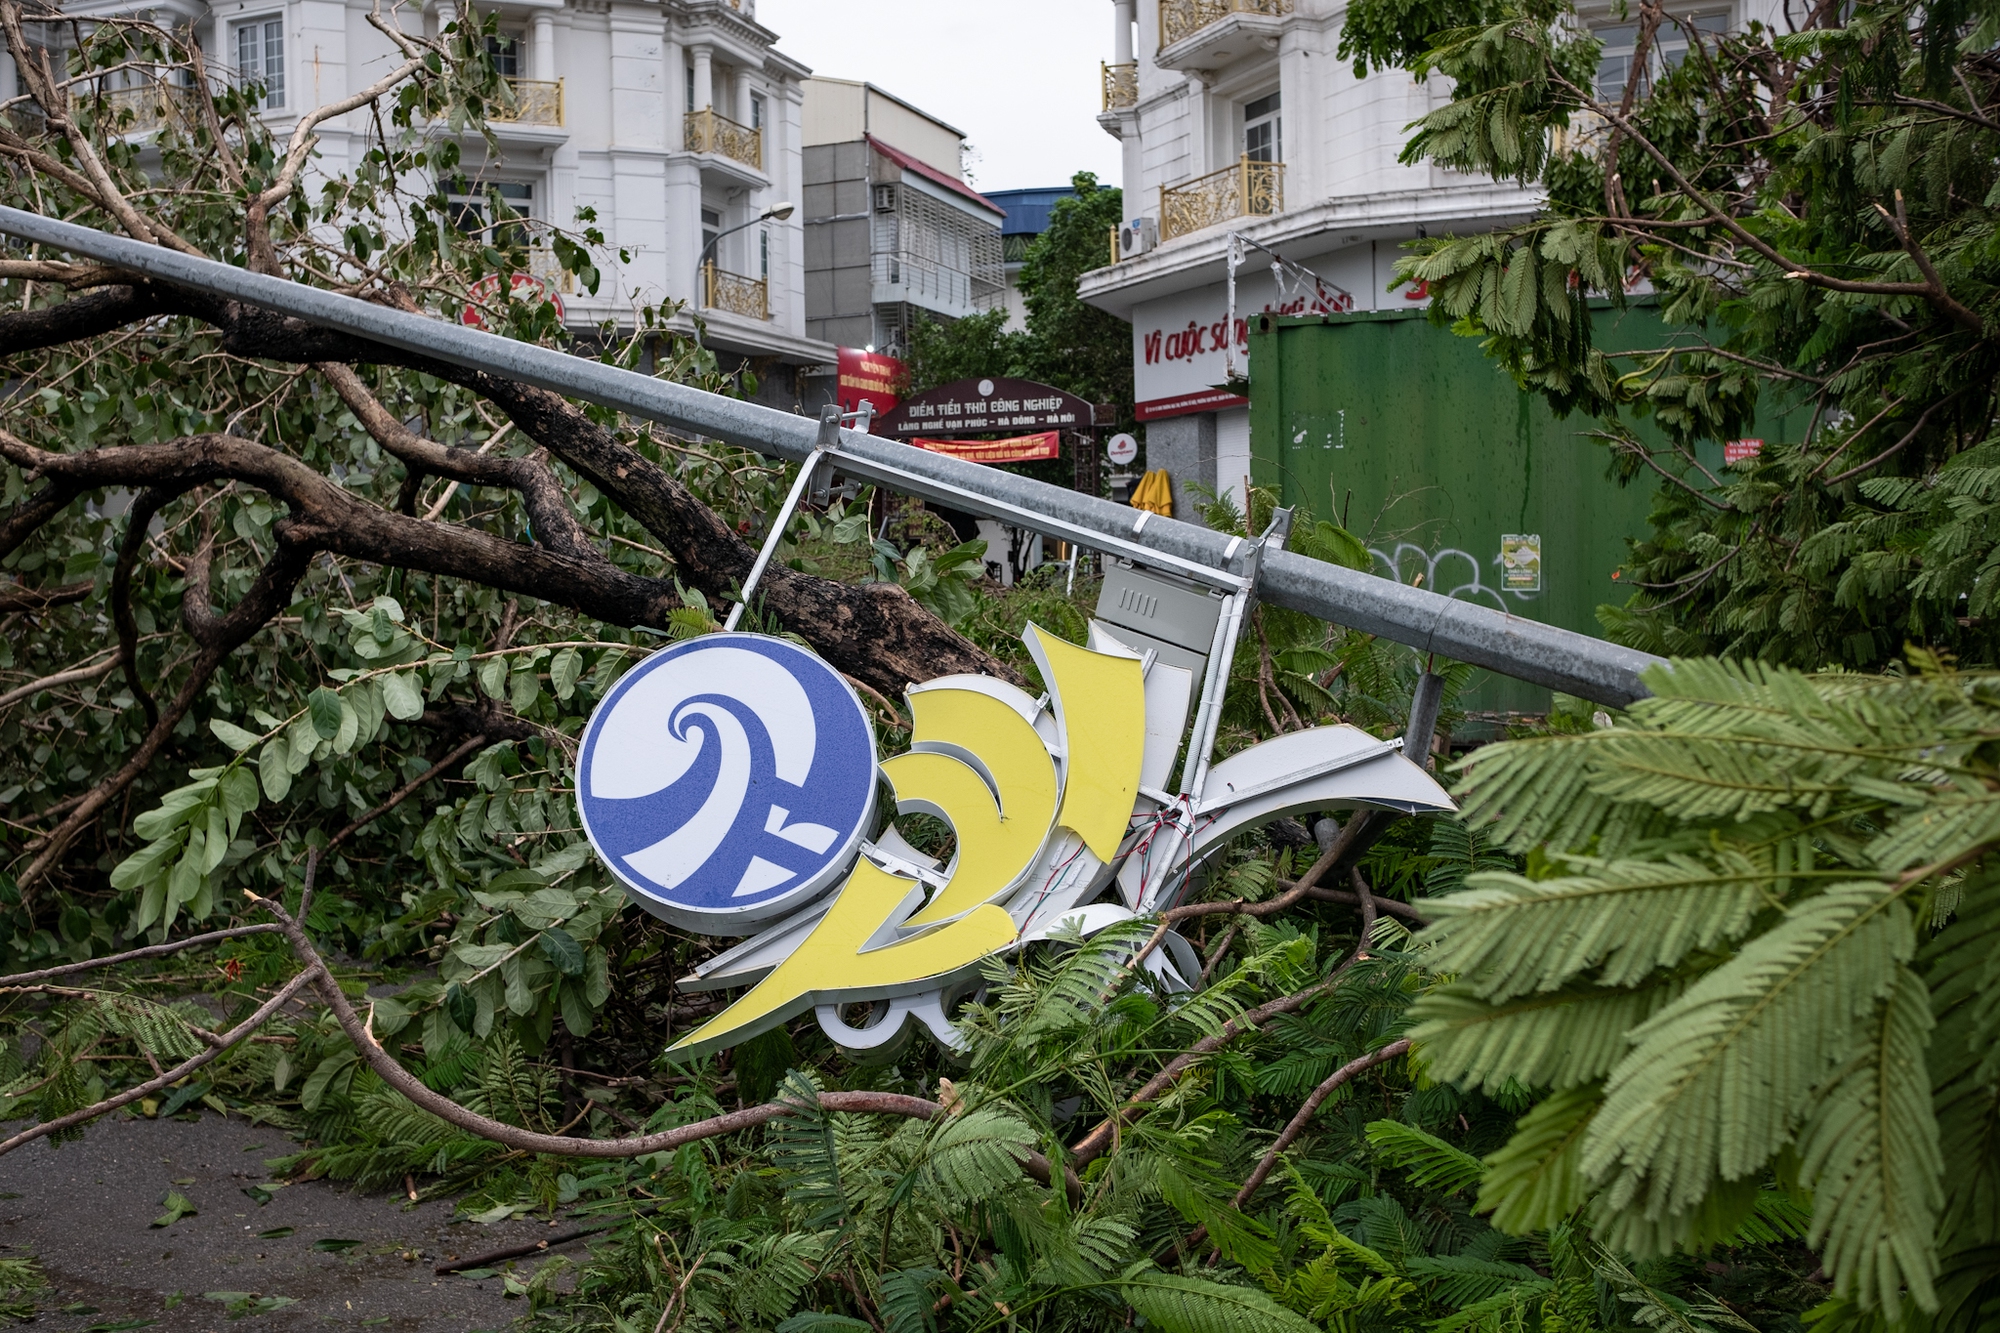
(84, 1211)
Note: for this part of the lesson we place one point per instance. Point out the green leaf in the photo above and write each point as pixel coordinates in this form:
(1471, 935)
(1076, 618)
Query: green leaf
(178, 1205)
(525, 686)
(564, 669)
(1869, 1152)
(1176, 1304)
(403, 696)
(238, 789)
(320, 1081)
(323, 706)
(1535, 1181)
(142, 865)
(1430, 1161)
(235, 737)
(1717, 1080)
(274, 769)
(458, 1003)
(561, 948)
(493, 677)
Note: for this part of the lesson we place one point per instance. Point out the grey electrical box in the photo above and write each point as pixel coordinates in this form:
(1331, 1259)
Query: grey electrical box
(1160, 606)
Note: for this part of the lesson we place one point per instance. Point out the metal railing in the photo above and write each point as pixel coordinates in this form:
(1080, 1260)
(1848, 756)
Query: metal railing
(1121, 85)
(710, 133)
(543, 264)
(1247, 190)
(536, 102)
(734, 293)
(1185, 18)
(150, 107)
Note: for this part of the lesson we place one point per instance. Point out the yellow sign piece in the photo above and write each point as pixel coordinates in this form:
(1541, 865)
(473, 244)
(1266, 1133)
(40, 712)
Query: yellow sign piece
(1100, 700)
(976, 763)
(834, 963)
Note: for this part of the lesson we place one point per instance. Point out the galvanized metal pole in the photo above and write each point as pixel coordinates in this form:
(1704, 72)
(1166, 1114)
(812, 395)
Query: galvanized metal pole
(1542, 654)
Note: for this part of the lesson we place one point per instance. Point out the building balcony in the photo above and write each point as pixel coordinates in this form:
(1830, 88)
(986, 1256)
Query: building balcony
(1247, 190)
(722, 137)
(1121, 86)
(536, 102)
(734, 294)
(144, 109)
(1195, 33)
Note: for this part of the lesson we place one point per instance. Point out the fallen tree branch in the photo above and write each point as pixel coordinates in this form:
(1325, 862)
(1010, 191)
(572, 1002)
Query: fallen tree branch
(391, 1072)
(1298, 1124)
(14, 597)
(226, 1040)
(166, 950)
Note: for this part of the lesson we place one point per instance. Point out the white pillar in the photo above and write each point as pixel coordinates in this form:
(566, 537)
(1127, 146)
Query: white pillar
(743, 87)
(447, 15)
(1121, 32)
(704, 78)
(543, 42)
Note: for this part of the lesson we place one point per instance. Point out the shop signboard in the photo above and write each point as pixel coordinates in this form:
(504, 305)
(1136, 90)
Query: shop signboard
(987, 406)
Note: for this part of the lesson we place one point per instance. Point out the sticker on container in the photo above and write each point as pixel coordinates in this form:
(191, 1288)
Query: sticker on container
(1521, 562)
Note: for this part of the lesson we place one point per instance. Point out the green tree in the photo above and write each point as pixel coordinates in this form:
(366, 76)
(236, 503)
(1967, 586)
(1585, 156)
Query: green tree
(1752, 955)
(1813, 212)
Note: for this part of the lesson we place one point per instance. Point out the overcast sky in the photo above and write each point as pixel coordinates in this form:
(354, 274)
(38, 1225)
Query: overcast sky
(1020, 78)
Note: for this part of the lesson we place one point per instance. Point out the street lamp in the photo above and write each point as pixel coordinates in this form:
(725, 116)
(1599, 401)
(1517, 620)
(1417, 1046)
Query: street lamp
(775, 213)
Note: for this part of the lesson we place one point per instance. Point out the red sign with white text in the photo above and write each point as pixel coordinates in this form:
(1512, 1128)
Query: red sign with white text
(1741, 451)
(868, 377)
(1016, 449)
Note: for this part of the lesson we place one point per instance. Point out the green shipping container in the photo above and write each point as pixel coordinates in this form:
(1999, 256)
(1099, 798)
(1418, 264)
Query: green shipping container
(1456, 479)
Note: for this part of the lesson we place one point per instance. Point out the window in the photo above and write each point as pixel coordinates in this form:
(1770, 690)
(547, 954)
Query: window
(1263, 130)
(885, 199)
(711, 230)
(260, 58)
(1670, 47)
(764, 255)
(505, 49)
(478, 206)
(689, 85)
(756, 111)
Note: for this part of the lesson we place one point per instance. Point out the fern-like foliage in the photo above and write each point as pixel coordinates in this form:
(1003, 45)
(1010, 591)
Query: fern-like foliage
(1756, 937)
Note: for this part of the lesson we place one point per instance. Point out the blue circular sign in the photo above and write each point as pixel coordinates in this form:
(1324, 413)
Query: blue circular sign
(727, 780)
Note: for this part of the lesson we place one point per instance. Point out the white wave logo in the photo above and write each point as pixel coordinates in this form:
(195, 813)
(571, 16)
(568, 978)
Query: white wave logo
(709, 783)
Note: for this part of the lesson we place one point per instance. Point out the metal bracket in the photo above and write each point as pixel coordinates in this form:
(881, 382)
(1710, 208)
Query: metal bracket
(830, 421)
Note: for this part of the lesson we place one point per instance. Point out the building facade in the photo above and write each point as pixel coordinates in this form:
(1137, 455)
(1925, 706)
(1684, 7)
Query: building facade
(893, 233)
(1237, 117)
(675, 122)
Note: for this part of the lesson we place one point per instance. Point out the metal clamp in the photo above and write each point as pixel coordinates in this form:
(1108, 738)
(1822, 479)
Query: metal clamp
(830, 421)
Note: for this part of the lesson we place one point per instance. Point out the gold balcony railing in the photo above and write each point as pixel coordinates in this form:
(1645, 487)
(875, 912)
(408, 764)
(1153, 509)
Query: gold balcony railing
(543, 264)
(149, 107)
(1248, 189)
(1185, 18)
(536, 102)
(710, 133)
(1121, 86)
(734, 293)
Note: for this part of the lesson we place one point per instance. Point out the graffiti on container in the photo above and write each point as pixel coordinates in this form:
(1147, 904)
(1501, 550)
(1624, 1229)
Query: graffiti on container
(1453, 572)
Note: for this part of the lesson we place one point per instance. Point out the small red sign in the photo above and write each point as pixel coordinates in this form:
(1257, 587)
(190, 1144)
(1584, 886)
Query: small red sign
(868, 377)
(1017, 449)
(522, 286)
(1740, 451)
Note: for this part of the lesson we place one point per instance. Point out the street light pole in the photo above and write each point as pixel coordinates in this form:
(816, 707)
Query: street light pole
(775, 213)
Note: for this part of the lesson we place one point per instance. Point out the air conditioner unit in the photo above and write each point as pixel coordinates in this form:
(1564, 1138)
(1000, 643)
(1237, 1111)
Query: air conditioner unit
(1136, 237)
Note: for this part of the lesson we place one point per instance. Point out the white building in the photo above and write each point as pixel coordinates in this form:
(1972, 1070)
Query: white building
(676, 121)
(1237, 116)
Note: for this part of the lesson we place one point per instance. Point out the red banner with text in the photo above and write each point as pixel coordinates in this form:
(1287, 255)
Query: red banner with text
(868, 377)
(1016, 449)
